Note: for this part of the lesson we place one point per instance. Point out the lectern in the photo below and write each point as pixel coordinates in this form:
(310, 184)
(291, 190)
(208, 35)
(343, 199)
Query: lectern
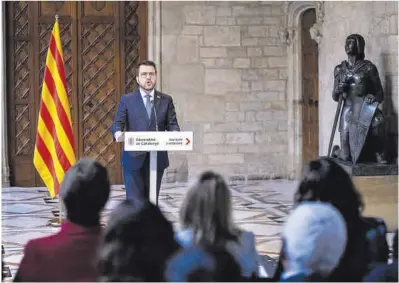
(157, 141)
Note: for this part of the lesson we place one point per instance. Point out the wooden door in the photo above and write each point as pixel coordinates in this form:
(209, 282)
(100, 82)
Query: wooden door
(310, 89)
(102, 44)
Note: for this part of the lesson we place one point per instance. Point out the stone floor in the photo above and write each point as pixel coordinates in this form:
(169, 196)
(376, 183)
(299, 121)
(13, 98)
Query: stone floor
(260, 207)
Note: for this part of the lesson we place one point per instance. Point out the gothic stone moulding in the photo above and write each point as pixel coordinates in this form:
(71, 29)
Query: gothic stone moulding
(286, 35)
(293, 10)
(315, 30)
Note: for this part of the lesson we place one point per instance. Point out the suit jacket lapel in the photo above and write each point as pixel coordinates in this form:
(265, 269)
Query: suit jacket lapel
(157, 99)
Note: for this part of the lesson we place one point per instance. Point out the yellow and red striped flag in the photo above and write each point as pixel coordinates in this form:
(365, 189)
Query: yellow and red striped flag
(54, 150)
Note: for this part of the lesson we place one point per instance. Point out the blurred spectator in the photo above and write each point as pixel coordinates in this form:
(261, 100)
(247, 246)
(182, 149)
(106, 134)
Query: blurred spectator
(136, 244)
(384, 272)
(395, 246)
(70, 254)
(314, 240)
(198, 264)
(325, 181)
(206, 218)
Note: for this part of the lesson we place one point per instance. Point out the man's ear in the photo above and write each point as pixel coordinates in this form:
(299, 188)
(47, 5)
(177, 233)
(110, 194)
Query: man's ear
(137, 80)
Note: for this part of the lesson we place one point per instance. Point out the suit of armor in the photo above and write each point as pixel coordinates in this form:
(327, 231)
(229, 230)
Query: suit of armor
(358, 81)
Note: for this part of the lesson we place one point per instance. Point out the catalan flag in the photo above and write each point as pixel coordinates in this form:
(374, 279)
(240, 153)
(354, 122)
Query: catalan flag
(54, 150)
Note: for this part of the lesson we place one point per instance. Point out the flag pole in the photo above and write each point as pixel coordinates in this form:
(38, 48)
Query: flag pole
(41, 159)
(57, 16)
(57, 221)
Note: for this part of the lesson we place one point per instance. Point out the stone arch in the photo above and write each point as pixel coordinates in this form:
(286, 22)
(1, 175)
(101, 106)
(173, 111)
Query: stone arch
(291, 36)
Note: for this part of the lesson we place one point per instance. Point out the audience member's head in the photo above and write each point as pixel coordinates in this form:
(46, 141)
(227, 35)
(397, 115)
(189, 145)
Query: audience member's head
(207, 210)
(136, 244)
(84, 191)
(314, 240)
(326, 181)
(203, 264)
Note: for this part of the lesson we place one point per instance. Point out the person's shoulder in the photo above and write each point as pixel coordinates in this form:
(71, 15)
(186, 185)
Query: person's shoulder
(246, 236)
(339, 67)
(39, 244)
(163, 95)
(369, 65)
(128, 95)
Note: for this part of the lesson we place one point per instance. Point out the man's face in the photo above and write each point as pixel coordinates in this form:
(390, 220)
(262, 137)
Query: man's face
(351, 46)
(147, 77)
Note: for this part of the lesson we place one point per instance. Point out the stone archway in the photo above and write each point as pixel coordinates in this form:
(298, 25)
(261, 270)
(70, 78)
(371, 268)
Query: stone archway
(291, 35)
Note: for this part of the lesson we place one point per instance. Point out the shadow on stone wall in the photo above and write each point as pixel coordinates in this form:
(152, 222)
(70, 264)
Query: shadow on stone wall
(179, 172)
(390, 112)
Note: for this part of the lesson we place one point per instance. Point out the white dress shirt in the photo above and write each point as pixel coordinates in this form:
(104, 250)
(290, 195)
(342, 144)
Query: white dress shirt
(143, 94)
(119, 134)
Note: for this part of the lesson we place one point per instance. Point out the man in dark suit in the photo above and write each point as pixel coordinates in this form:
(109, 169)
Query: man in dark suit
(137, 112)
(70, 255)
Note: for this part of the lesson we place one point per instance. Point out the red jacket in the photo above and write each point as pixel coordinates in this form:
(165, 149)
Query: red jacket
(66, 256)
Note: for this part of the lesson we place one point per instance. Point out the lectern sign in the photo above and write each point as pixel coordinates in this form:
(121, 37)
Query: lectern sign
(158, 141)
(154, 142)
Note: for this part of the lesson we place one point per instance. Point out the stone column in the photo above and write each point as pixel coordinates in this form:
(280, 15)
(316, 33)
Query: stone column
(154, 37)
(5, 169)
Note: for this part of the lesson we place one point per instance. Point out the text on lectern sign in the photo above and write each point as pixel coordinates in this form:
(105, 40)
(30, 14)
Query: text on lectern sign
(158, 141)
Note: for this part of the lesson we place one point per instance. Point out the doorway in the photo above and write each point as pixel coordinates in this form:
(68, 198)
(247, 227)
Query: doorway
(310, 89)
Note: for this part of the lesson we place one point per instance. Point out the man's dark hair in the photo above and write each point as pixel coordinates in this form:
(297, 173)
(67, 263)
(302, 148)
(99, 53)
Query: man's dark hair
(136, 244)
(85, 191)
(145, 63)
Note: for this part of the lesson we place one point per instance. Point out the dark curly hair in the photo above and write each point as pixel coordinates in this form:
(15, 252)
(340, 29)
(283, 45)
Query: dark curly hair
(136, 244)
(325, 180)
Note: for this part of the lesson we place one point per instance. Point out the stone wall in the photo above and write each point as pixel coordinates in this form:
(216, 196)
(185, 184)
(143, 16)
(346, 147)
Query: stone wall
(226, 69)
(224, 66)
(377, 22)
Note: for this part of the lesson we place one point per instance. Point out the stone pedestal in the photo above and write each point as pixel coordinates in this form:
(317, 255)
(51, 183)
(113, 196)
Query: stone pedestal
(378, 185)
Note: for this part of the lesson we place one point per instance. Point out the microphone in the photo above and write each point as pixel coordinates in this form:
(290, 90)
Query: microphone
(155, 113)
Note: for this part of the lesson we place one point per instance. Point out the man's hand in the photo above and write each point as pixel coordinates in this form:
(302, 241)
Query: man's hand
(119, 136)
(370, 98)
(342, 87)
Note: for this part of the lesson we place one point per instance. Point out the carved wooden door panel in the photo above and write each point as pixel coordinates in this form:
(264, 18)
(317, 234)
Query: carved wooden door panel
(21, 97)
(99, 76)
(310, 90)
(44, 20)
(102, 43)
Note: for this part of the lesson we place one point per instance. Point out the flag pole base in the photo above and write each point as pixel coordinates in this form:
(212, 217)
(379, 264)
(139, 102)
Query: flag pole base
(55, 222)
(51, 200)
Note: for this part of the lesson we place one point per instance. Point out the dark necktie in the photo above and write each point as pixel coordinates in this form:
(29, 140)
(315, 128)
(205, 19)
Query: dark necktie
(148, 105)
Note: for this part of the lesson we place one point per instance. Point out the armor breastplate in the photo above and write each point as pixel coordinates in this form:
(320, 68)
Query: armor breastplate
(359, 85)
(356, 92)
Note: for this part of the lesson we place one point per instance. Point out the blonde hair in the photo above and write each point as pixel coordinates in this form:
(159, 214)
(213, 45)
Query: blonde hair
(207, 211)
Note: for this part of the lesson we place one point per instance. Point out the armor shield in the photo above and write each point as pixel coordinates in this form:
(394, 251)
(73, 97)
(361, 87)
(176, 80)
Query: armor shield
(359, 128)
